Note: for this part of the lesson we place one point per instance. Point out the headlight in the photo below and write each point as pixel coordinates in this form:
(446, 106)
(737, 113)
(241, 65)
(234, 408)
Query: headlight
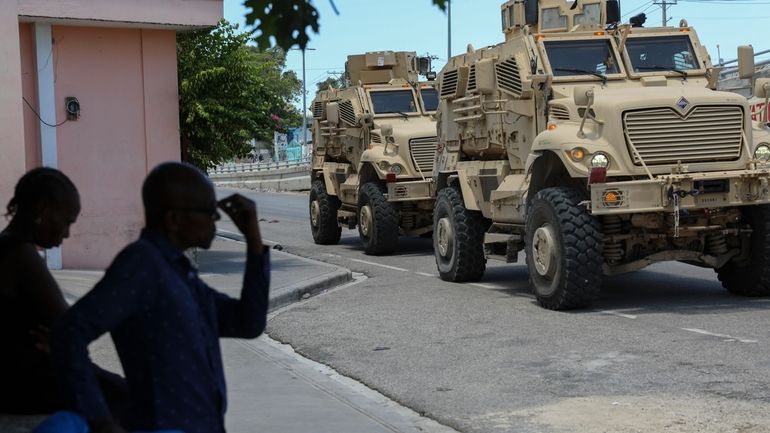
(601, 160)
(762, 152)
(577, 154)
(396, 169)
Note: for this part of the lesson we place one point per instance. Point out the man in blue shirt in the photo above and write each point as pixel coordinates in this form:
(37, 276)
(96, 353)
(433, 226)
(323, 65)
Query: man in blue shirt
(165, 322)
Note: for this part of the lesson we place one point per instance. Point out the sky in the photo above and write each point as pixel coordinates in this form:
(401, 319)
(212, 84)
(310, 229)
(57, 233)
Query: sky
(417, 25)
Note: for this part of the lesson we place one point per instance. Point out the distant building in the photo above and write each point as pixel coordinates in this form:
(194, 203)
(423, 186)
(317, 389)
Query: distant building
(117, 60)
(290, 146)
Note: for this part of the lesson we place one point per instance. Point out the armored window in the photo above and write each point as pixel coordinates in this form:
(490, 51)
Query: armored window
(592, 15)
(429, 98)
(581, 57)
(505, 25)
(671, 53)
(553, 19)
(393, 101)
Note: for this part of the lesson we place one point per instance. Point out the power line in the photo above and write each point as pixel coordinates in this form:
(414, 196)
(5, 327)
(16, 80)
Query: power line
(637, 8)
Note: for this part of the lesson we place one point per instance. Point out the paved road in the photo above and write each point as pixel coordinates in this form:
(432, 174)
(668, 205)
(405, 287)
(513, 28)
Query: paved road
(665, 349)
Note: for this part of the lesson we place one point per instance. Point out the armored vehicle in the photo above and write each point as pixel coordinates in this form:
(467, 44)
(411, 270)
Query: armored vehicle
(598, 148)
(373, 152)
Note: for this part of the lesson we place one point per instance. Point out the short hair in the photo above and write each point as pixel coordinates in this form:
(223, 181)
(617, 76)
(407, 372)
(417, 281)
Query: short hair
(163, 183)
(39, 185)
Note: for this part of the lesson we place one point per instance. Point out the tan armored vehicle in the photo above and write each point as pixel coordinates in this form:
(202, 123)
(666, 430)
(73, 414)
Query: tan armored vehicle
(373, 152)
(598, 148)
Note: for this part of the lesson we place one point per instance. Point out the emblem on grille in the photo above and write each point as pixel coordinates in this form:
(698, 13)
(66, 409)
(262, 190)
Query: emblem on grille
(682, 103)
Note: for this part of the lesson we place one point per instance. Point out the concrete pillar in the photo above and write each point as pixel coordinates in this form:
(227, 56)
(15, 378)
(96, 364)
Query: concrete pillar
(46, 102)
(12, 152)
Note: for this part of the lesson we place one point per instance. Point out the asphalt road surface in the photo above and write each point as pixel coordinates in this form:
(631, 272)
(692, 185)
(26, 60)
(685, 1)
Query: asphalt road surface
(665, 349)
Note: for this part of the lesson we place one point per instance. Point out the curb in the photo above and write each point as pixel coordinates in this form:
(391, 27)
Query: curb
(308, 288)
(304, 289)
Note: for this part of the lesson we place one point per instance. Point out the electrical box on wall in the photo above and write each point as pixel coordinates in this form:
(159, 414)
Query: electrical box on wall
(72, 105)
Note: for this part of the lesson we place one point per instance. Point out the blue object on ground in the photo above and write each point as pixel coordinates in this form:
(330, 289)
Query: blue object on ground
(71, 422)
(63, 422)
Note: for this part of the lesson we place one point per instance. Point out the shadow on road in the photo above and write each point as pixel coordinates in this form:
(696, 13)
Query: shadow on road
(648, 290)
(407, 245)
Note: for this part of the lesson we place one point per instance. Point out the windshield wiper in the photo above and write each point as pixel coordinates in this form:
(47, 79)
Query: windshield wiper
(406, 116)
(583, 71)
(662, 68)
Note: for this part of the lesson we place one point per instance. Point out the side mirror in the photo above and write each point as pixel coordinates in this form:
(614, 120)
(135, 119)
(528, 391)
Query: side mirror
(423, 65)
(333, 112)
(613, 11)
(386, 130)
(584, 96)
(745, 61)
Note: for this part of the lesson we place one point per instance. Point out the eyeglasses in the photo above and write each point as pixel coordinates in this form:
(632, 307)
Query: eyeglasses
(211, 213)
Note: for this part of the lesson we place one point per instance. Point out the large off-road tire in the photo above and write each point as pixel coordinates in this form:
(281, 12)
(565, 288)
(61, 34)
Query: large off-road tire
(458, 238)
(323, 215)
(564, 250)
(377, 220)
(751, 277)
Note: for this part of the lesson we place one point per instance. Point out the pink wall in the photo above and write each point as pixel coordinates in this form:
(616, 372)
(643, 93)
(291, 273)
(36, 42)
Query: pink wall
(29, 91)
(164, 12)
(125, 80)
(12, 155)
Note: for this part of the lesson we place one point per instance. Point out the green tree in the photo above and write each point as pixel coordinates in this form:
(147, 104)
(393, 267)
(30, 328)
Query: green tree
(229, 94)
(332, 81)
(288, 20)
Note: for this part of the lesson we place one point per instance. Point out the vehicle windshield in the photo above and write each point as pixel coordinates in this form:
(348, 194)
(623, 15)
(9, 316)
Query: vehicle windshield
(662, 53)
(393, 101)
(582, 57)
(429, 98)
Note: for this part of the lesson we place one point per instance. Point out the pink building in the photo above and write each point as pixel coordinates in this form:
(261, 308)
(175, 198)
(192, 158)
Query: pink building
(118, 59)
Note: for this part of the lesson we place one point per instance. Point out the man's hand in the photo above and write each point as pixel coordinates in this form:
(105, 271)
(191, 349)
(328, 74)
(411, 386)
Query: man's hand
(40, 334)
(243, 213)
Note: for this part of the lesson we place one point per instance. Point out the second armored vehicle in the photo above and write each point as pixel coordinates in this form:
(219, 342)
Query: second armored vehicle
(373, 152)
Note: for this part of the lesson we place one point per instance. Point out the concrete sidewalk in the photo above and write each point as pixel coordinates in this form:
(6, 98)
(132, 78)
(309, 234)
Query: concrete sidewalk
(270, 387)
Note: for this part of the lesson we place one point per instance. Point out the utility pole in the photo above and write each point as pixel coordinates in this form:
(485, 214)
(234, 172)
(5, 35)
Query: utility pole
(449, 29)
(304, 105)
(665, 21)
(664, 4)
(304, 99)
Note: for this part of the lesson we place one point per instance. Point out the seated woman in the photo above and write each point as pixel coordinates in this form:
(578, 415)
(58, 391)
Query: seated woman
(44, 205)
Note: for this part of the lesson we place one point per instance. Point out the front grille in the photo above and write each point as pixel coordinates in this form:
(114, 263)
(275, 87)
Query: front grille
(319, 109)
(472, 79)
(508, 77)
(449, 84)
(559, 112)
(347, 114)
(663, 136)
(423, 153)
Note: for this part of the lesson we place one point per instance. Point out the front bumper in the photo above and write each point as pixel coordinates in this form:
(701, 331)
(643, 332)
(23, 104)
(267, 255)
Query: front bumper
(695, 191)
(411, 190)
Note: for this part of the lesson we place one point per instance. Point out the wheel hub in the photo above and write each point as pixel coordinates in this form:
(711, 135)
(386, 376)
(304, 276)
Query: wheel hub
(365, 220)
(445, 236)
(543, 251)
(315, 212)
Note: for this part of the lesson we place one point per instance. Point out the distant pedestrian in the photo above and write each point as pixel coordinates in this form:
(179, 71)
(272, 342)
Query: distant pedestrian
(261, 157)
(166, 322)
(44, 205)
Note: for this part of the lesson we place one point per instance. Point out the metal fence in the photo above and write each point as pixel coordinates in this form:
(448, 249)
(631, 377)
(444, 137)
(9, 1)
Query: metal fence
(258, 166)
